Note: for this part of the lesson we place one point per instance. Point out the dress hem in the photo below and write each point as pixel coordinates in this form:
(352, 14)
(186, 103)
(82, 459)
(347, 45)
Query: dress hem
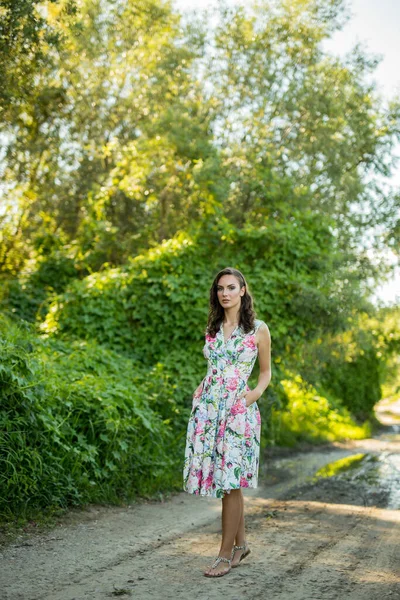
(227, 491)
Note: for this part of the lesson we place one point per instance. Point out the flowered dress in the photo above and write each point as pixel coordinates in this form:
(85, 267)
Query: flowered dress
(223, 435)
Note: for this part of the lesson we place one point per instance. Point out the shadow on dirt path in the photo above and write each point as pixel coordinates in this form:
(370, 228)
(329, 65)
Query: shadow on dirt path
(324, 524)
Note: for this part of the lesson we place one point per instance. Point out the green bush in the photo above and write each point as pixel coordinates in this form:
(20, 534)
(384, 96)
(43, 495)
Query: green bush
(312, 417)
(156, 306)
(28, 296)
(356, 379)
(79, 424)
(349, 366)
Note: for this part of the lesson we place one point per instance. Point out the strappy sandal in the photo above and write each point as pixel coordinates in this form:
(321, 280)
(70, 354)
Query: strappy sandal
(242, 556)
(215, 565)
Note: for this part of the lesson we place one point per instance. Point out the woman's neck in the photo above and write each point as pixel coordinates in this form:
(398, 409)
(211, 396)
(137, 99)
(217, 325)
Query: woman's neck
(231, 317)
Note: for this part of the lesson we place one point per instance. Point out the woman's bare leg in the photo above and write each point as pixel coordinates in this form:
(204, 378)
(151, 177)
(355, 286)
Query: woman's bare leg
(231, 513)
(240, 534)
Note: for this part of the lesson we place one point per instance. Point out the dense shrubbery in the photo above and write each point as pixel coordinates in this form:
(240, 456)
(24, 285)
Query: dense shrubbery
(353, 372)
(47, 273)
(313, 417)
(349, 364)
(79, 423)
(157, 305)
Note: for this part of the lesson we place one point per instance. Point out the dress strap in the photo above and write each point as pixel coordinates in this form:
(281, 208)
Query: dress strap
(257, 324)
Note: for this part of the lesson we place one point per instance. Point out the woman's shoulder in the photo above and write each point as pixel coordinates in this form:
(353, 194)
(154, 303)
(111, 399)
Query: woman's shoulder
(261, 325)
(257, 324)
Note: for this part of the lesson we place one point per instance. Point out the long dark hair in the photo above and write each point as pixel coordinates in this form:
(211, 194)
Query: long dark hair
(216, 312)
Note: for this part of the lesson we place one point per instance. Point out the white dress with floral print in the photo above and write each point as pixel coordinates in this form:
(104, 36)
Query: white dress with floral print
(223, 435)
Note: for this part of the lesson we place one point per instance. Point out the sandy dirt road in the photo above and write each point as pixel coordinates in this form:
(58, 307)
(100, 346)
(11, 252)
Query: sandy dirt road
(311, 537)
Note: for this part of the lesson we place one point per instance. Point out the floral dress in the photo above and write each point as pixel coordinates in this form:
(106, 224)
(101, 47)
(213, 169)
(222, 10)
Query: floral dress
(223, 435)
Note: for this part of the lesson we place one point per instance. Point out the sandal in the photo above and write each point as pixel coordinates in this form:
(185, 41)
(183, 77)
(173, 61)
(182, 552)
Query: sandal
(216, 563)
(243, 555)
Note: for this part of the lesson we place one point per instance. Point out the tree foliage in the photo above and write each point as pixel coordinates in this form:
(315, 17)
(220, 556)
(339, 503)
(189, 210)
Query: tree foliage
(138, 121)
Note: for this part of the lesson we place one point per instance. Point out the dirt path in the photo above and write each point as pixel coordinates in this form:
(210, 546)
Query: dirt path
(326, 538)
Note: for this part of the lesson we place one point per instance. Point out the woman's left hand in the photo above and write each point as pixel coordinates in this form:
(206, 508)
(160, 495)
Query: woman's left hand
(250, 396)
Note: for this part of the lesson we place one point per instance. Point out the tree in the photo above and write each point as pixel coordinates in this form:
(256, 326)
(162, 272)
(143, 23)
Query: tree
(141, 123)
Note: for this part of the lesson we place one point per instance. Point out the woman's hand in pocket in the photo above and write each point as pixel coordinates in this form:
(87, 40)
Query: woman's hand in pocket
(250, 397)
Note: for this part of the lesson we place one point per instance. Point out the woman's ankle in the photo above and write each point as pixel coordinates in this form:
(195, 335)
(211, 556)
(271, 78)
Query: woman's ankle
(225, 553)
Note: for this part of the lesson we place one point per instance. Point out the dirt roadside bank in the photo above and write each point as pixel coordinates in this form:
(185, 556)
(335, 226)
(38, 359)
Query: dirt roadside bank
(325, 538)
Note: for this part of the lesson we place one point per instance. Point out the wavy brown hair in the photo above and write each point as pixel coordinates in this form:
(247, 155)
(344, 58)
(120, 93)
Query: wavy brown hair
(216, 312)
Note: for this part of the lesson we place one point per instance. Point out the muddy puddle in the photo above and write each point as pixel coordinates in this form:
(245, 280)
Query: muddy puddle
(375, 472)
(366, 478)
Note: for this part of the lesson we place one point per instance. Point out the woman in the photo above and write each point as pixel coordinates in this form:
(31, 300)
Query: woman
(223, 436)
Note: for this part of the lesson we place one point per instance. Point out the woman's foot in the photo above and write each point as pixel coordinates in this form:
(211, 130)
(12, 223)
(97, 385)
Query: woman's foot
(220, 567)
(239, 553)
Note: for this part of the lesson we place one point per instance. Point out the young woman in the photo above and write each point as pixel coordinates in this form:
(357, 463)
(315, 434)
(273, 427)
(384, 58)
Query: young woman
(223, 436)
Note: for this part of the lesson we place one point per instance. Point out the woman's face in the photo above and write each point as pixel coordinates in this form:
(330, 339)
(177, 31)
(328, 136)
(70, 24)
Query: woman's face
(229, 291)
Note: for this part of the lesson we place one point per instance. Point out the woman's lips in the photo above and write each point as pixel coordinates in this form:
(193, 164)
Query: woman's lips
(225, 300)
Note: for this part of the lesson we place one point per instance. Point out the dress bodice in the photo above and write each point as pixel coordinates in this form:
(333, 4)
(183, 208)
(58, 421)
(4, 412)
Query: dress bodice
(236, 356)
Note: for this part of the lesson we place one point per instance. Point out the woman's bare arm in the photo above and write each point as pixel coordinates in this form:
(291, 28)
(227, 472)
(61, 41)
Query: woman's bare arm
(263, 341)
